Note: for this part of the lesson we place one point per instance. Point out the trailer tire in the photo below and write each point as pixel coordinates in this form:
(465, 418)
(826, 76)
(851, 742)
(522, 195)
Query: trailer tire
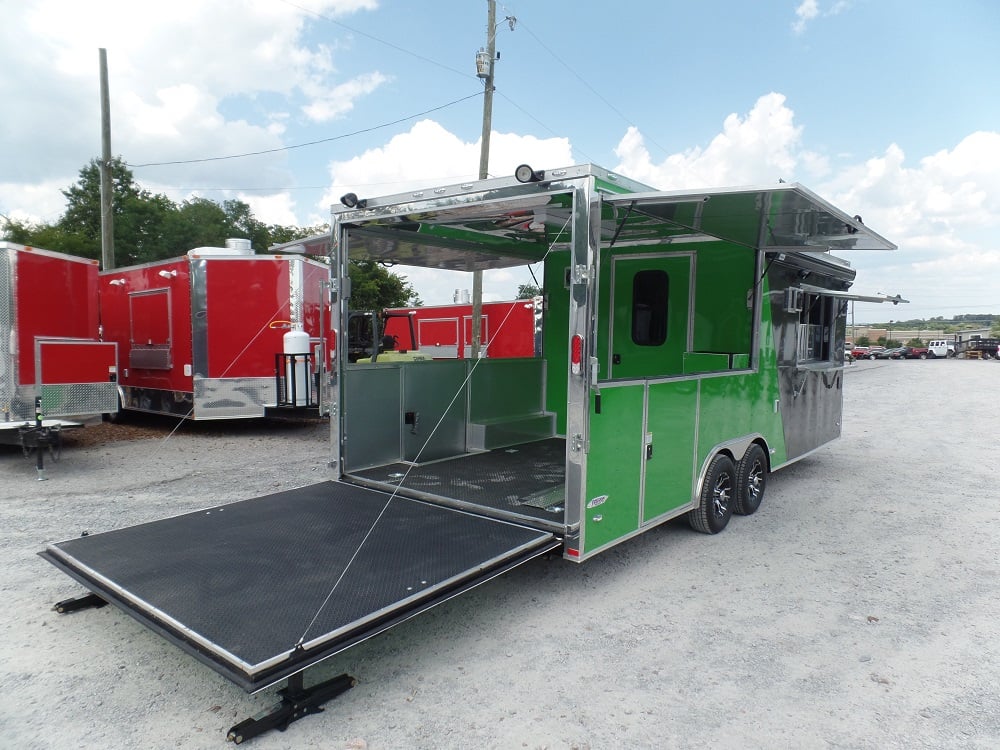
(715, 506)
(751, 481)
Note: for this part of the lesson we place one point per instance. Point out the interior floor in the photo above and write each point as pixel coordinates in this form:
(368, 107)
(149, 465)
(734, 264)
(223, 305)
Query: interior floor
(526, 480)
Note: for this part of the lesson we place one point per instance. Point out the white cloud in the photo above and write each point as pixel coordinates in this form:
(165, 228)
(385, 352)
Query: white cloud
(45, 199)
(804, 13)
(177, 75)
(429, 154)
(327, 105)
(761, 147)
(809, 10)
(943, 212)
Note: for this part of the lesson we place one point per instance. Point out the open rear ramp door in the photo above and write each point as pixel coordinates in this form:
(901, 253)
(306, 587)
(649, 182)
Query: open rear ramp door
(263, 588)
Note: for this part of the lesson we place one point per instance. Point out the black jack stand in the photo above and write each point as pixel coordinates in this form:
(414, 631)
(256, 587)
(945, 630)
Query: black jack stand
(297, 702)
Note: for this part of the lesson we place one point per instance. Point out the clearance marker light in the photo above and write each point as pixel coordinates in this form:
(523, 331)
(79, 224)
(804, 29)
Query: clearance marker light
(576, 354)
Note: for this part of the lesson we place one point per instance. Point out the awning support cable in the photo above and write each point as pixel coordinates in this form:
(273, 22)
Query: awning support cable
(416, 460)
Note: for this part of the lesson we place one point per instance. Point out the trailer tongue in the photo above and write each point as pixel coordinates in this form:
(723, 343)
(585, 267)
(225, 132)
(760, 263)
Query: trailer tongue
(263, 588)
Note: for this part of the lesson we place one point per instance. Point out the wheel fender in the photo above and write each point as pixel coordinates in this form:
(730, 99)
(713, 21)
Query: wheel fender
(735, 449)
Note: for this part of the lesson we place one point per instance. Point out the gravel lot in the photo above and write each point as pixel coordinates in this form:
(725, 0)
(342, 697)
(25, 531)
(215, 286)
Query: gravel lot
(859, 608)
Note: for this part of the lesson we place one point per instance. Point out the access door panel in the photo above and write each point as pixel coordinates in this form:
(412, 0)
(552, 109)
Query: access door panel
(614, 466)
(650, 321)
(671, 429)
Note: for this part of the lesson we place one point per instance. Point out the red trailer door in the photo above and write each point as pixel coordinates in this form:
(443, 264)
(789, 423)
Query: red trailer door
(149, 317)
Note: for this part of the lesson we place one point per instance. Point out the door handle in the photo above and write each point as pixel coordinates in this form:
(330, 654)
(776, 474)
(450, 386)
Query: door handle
(616, 359)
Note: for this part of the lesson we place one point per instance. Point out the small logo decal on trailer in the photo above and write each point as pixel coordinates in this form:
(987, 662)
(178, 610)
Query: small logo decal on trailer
(597, 501)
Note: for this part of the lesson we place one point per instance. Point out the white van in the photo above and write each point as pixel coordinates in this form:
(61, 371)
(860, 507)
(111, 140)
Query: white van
(941, 348)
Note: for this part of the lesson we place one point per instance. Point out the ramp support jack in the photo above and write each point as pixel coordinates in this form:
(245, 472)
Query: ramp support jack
(296, 702)
(78, 602)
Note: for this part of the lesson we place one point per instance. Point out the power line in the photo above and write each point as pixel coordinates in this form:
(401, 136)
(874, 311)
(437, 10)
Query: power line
(377, 39)
(595, 92)
(310, 143)
(429, 180)
(541, 124)
(415, 55)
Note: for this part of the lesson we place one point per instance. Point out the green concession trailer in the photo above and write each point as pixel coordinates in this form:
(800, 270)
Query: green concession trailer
(692, 343)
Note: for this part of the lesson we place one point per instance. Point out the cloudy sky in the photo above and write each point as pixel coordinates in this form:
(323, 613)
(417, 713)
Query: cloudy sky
(888, 108)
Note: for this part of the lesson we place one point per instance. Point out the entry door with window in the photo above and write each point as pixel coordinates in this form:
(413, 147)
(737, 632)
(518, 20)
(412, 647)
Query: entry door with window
(650, 319)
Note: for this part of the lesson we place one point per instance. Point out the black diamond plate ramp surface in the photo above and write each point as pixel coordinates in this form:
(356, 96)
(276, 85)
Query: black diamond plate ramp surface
(240, 584)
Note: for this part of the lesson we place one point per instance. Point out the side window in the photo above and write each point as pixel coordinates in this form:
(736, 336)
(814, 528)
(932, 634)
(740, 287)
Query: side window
(816, 323)
(649, 307)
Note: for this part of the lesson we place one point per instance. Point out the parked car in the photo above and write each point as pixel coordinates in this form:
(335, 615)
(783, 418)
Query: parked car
(941, 348)
(859, 352)
(872, 351)
(914, 352)
(894, 353)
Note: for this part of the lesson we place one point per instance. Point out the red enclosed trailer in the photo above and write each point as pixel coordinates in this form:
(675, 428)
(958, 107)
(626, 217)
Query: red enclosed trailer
(53, 365)
(508, 329)
(219, 333)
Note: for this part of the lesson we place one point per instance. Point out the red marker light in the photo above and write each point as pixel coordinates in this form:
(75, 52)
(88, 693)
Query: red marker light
(576, 354)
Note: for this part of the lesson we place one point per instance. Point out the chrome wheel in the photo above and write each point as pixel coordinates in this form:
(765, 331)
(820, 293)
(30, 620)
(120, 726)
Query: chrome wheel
(722, 495)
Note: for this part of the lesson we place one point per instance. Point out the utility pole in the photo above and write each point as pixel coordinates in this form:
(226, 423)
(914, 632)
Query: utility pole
(484, 164)
(107, 191)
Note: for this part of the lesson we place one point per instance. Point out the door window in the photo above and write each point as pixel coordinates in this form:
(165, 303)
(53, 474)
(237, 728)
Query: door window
(649, 307)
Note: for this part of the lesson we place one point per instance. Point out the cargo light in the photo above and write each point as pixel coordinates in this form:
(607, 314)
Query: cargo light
(524, 173)
(576, 354)
(351, 200)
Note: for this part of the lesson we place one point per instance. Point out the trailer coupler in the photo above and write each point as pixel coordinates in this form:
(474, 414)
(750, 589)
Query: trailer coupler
(296, 702)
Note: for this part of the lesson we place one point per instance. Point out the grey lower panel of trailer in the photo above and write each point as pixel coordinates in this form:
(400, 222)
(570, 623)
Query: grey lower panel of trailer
(323, 567)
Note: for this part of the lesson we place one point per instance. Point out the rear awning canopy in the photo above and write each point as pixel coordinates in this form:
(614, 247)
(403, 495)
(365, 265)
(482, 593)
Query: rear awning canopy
(498, 223)
(496, 232)
(778, 218)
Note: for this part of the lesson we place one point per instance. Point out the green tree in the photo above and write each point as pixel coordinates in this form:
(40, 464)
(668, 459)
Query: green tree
(199, 222)
(140, 224)
(373, 287)
(242, 223)
(135, 213)
(527, 291)
(150, 227)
